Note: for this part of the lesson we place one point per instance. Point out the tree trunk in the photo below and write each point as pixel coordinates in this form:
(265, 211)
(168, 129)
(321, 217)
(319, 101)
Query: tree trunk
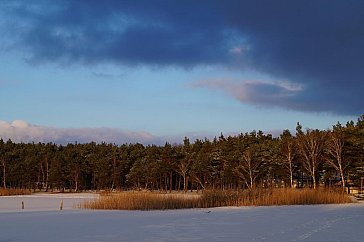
(76, 181)
(313, 179)
(184, 183)
(342, 179)
(291, 176)
(160, 183)
(47, 174)
(4, 174)
(166, 182)
(170, 182)
(43, 177)
(179, 183)
(139, 183)
(113, 173)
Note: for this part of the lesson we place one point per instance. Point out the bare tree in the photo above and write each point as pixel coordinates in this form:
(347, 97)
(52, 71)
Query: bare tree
(248, 168)
(288, 151)
(183, 169)
(335, 147)
(311, 146)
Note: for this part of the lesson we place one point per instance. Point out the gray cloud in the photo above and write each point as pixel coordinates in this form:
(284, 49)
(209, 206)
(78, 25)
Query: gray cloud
(319, 44)
(124, 32)
(21, 131)
(260, 93)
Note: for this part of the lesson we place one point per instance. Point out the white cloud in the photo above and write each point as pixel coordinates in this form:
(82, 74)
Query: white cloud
(21, 131)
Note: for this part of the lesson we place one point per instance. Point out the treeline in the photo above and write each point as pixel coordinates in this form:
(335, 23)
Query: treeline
(307, 158)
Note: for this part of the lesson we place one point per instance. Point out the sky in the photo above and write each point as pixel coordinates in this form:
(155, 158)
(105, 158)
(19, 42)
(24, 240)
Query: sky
(156, 71)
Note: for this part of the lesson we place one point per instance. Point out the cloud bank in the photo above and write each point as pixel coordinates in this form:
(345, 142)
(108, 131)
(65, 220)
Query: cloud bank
(124, 32)
(319, 44)
(20, 131)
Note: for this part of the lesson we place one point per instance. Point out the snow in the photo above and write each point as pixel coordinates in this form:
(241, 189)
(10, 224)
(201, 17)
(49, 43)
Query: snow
(43, 201)
(283, 223)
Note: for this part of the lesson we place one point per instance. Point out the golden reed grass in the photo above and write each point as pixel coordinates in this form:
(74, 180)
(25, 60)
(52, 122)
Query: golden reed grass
(268, 197)
(215, 198)
(142, 201)
(13, 191)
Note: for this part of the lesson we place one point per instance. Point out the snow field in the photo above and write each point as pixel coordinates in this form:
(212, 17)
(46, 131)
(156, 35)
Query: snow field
(283, 223)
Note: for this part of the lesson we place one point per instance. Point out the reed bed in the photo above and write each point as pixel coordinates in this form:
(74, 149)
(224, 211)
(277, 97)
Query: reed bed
(13, 191)
(269, 197)
(215, 198)
(142, 201)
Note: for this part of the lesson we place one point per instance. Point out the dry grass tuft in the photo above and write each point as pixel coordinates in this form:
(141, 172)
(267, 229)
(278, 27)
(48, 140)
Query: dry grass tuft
(268, 197)
(13, 191)
(216, 198)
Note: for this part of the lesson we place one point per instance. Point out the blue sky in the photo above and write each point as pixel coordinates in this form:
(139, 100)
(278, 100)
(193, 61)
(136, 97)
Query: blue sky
(149, 71)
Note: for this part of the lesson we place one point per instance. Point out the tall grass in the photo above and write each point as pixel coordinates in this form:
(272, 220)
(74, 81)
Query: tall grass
(267, 197)
(216, 198)
(13, 191)
(143, 201)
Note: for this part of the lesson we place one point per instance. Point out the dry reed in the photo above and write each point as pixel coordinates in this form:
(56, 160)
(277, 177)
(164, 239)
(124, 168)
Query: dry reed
(215, 198)
(13, 191)
(142, 201)
(268, 197)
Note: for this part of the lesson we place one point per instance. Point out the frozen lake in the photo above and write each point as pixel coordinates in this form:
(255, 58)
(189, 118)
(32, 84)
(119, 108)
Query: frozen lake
(43, 201)
(284, 223)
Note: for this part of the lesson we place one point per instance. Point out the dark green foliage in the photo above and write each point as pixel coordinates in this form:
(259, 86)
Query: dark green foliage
(229, 163)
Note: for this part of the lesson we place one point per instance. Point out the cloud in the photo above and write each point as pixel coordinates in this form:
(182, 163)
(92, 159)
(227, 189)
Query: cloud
(123, 32)
(259, 93)
(319, 44)
(21, 131)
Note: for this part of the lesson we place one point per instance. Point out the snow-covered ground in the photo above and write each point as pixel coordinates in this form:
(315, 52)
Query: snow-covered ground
(43, 201)
(285, 223)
